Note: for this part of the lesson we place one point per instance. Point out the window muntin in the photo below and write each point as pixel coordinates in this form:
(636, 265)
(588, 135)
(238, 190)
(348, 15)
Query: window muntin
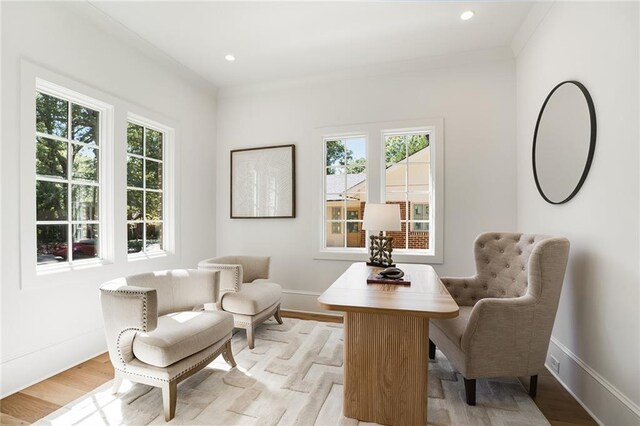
(68, 187)
(407, 179)
(145, 188)
(345, 191)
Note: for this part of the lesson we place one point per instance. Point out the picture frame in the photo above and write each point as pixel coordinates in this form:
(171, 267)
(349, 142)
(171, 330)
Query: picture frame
(262, 182)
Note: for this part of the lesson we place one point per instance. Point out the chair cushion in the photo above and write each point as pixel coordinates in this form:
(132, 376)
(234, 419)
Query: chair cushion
(252, 298)
(181, 334)
(454, 328)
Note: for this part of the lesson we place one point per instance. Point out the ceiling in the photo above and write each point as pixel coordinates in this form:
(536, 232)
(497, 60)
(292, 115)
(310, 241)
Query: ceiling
(284, 40)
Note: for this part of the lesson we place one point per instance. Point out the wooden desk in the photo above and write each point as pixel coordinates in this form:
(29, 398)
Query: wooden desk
(386, 341)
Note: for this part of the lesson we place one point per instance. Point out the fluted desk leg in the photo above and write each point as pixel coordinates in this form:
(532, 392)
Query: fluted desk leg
(386, 368)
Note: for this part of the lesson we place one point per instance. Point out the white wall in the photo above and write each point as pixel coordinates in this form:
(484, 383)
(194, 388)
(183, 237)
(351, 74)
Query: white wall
(475, 94)
(51, 327)
(597, 331)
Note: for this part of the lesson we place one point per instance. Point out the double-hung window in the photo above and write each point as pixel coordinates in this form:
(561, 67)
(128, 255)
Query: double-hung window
(68, 185)
(394, 163)
(407, 178)
(145, 187)
(345, 189)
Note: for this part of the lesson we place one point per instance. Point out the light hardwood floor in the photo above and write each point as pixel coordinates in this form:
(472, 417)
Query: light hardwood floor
(37, 401)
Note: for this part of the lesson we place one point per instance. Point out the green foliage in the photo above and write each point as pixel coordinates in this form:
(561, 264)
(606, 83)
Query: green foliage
(339, 155)
(397, 147)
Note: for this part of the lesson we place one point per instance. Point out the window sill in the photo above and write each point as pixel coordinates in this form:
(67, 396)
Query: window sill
(68, 267)
(144, 256)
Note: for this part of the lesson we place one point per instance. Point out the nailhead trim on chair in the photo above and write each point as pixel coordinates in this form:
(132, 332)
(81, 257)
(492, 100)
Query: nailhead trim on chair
(143, 296)
(205, 360)
(236, 277)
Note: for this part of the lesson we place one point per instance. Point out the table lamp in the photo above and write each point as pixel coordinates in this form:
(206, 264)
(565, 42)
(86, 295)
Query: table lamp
(381, 217)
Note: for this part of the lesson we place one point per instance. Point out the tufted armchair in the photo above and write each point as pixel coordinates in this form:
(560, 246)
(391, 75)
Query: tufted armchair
(161, 328)
(507, 309)
(245, 290)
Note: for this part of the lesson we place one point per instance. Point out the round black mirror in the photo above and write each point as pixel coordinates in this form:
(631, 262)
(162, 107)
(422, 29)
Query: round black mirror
(564, 142)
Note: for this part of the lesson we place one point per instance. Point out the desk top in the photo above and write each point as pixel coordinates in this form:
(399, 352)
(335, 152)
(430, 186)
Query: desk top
(425, 297)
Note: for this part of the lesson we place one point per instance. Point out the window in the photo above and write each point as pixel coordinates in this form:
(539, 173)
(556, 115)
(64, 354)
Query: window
(407, 179)
(420, 212)
(145, 188)
(68, 186)
(345, 195)
(389, 162)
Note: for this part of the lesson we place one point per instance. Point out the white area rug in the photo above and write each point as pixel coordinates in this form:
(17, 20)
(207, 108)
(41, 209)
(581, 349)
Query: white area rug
(292, 377)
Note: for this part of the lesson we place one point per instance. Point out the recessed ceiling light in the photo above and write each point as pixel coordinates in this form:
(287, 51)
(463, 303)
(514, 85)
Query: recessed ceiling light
(466, 15)
(230, 58)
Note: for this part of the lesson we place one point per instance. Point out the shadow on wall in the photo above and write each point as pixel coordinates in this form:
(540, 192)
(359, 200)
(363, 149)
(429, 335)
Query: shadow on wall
(575, 290)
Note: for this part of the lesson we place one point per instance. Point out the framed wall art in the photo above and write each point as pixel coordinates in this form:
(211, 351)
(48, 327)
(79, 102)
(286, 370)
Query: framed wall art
(263, 182)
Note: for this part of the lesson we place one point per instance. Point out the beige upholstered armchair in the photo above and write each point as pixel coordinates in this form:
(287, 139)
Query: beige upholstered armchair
(507, 309)
(245, 290)
(161, 328)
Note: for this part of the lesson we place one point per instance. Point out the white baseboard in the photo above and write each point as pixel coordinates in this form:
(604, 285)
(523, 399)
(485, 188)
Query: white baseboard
(34, 367)
(603, 401)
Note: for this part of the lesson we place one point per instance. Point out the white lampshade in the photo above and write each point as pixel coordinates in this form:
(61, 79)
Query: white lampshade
(381, 217)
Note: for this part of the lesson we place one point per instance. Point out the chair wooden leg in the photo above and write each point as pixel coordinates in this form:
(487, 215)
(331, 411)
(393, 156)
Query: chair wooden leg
(470, 390)
(117, 381)
(533, 386)
(432, 350)
(169, 397)
(228, 355)
(250, 336)
(277, 315)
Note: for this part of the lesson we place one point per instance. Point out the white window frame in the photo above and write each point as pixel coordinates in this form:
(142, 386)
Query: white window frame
(375, 134)
(28, 246)
(343, 221)
(115, 261)
(168, 187)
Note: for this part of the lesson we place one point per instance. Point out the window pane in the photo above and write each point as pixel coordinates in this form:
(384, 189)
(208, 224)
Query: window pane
(154, 174)
(334, 234)
(51, 158)
(396, 178)
(84, 202)
(51, 243)
(335, 210)
(418, 235)
(154, 144)
(154, 206)
(135, 237)
(335, 153)
(134, 204)
(417, 145)
(395, 148)
(51, 115)
(154, 237)
(418, 177)
(399, 237)
(335, 180)
(51, 200)
(357, 153)
(85, 162)
(134, 172)
(85, 241)
(134, 139)
(85, 124)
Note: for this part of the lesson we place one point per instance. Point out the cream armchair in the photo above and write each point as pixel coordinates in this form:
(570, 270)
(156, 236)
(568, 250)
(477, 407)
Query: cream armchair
(507, 309)
(161, 328)
(245, 290)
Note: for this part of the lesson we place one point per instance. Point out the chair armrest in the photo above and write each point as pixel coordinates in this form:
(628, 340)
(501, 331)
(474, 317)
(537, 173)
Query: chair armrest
(231, 275)
(465, 291)
(126, 310)
(501, 324)
(126, 306)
